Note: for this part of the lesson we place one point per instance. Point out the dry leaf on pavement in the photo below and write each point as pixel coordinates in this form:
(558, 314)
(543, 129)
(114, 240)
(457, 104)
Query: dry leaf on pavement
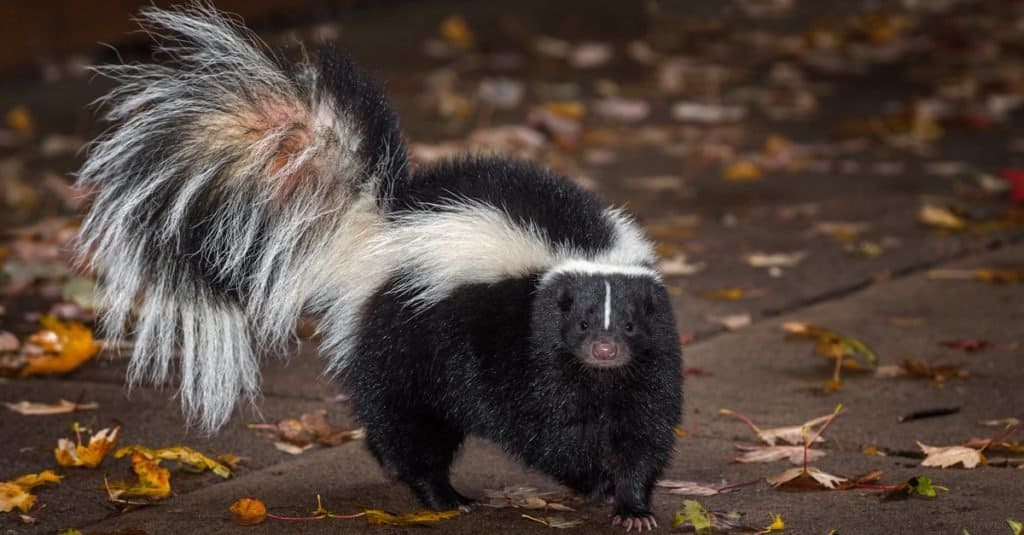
(63, 406)
(770, 454)
(66, 344)
(810, 478)
(182, 454)
(152, 480)
(248, 511)
(947, 456)
(14, 494)
(90, 456)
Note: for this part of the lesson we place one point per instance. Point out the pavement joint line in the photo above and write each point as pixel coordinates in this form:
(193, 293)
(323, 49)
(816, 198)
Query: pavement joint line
(850, 290)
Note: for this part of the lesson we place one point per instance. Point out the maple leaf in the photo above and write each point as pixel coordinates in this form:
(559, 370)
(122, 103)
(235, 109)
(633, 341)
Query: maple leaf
(693, 488)
(62, 406)
(14, 494)
(793, 434)
(770, 454)
(68, 344)
(75, 454)
(182, 454)
(809, 478)
(947, 456)
(295, 436)
(152, 480)
(248, 511)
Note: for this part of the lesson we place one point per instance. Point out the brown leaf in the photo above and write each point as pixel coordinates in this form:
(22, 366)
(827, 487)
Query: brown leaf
(522, 498)
(809, 479)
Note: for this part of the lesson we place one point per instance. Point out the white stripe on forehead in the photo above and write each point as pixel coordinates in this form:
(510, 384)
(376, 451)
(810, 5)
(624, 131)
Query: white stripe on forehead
(607, 304)
(586, 267)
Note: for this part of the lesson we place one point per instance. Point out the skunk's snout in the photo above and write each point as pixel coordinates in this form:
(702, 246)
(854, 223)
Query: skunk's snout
(604, 350)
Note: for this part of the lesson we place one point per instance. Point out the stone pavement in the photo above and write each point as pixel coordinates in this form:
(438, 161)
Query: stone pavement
(886, 300)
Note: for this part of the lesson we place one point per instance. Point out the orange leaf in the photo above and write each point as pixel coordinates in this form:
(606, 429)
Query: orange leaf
(15, 493)
(75, 454)
(248, 511)
(153, 480)
(69, 343)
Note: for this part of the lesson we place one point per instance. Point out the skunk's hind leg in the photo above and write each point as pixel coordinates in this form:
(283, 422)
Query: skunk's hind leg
(418, 449)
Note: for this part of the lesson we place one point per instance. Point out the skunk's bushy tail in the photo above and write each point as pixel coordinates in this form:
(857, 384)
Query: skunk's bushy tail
(231, 187)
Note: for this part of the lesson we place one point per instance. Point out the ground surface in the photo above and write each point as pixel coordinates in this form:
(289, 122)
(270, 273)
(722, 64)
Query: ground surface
(854, 121)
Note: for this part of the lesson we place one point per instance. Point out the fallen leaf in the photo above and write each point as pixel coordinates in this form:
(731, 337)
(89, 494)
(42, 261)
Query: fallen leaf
(295, 436)
(181, 454)
(732, 321)
(775, 259)
(590, 54)
(693, 488)
(70, 453)
(1015, 526)
(947, 456)
(522, 498)
(455, 30)
(777, 524)
(915, 486)
(770, 454)
(810, 478)
(69, 344)
(8, 342)
(832, 344)
(699, 112)
(1015, 177)
(742, 171)
(726, 294)
(793, 434)
(936, 372)
(376, 517)
(1003, 422)
(942, 218)
(680, 266)
(63, 406)
(152, 480)
(248, 511)
(694, 514)
(14, 494)
(19, 119)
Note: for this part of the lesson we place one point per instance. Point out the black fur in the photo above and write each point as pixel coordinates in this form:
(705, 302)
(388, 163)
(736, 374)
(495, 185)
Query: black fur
(528, 193)
(502, 362)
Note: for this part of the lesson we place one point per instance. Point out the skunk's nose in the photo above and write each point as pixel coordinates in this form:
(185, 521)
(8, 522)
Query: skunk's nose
(604, 350)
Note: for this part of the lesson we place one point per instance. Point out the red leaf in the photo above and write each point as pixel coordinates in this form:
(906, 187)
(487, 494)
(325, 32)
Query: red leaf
(1016, 179)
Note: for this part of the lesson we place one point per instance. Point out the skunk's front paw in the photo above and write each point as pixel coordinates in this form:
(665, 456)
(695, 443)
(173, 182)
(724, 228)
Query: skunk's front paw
(633, 519)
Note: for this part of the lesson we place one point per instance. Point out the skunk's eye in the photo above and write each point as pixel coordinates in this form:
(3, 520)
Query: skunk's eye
(584, 325)
(629, 327)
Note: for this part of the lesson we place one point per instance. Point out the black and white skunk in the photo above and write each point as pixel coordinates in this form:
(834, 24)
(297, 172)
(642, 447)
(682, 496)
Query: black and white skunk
(480, 296)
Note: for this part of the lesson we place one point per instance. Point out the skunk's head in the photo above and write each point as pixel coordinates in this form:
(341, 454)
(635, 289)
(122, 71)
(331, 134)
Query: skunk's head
(603, 316)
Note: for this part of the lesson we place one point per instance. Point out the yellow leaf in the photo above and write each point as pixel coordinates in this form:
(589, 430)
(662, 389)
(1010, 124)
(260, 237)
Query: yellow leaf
(569, 109)
(776, 525)
(19, 119)
(75, 454)
(742, 170)
(1015, 526)
(455, 30)
(376, 517)
(182, 454)
(69, 342)
(725, 294)
(248, 511)
(15, 494)
(153, 480)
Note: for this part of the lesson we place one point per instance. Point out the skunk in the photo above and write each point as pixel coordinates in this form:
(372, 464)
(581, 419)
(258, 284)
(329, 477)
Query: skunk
(480, 296)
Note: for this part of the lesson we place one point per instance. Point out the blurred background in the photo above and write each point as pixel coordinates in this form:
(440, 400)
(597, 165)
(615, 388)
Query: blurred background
(882, 134)
(856, 163)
